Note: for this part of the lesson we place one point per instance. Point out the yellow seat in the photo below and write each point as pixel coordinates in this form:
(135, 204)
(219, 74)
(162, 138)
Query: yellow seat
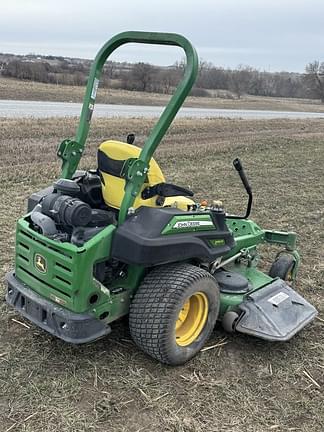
(111, 157)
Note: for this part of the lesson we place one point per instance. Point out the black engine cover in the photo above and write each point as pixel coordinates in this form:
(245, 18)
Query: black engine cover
(139, 241)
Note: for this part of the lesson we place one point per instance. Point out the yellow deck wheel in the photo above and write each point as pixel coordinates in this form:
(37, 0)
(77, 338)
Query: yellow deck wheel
(191, 319)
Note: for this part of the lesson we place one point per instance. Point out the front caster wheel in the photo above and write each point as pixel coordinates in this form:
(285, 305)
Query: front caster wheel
(283, 267)
(229, 321)
(174, 312)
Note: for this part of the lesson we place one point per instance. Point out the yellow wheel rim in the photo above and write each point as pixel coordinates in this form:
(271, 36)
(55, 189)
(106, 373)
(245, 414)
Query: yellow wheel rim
(191, 319)
(289, 277)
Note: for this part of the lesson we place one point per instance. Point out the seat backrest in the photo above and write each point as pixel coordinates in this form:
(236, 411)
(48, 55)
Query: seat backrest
(111, 158)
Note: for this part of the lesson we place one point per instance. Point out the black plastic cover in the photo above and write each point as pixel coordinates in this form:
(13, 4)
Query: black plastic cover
(90, 189)
(34, 199)
(66, 187)
(231, 282)
(275, 312)
(101, 218)
(139, 241)
(89, 179)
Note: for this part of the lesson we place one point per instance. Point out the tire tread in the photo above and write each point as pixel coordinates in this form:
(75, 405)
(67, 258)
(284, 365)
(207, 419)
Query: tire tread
(157, 297)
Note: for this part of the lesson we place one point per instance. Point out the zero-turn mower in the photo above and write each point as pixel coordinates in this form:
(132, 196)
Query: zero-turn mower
(118, 240)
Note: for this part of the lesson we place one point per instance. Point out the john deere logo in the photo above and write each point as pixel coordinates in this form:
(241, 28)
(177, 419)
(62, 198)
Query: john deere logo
(40, 263)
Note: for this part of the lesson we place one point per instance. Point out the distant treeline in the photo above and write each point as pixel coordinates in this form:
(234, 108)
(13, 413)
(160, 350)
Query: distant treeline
(212, 80)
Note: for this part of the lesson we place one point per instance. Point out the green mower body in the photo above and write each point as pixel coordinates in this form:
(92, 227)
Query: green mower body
(81, 265)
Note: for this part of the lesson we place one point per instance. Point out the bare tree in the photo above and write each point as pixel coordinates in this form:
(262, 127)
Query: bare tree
(203, 72)
(145, 77)
(142, 73)
(110, 68)
(180, 66)
(240, 79)
(314, 79)
(166, 80)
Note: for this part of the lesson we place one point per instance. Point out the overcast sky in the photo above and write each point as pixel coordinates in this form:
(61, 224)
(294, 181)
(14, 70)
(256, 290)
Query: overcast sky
(267, 34)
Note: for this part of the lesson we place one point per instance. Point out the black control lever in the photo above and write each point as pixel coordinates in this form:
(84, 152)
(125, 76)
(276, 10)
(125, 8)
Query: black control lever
(239, 168)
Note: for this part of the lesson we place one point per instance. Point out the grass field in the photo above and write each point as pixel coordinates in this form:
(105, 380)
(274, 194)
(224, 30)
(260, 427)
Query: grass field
(109, 386)
(28, 90)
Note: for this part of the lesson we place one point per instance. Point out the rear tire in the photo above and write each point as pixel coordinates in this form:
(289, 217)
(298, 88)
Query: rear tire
(174, 312)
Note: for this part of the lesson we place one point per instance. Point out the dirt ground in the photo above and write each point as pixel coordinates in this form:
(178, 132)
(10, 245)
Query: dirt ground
(243, 385)
(29, 90)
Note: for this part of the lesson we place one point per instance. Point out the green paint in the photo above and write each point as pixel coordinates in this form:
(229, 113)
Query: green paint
(284, 238)
(69, 279)
(69, 268)
(256, 278)
(121, 292)
(246, 233)
(295, 269)
(229, 302)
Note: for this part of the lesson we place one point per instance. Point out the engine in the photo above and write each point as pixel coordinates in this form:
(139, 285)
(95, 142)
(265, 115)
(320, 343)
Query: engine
(72, 211)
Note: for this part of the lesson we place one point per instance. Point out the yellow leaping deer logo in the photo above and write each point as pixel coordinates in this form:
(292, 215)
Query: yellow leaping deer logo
(40, 263)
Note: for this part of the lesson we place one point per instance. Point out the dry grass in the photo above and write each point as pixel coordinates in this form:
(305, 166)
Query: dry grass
(28, 90)
(246, 384)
